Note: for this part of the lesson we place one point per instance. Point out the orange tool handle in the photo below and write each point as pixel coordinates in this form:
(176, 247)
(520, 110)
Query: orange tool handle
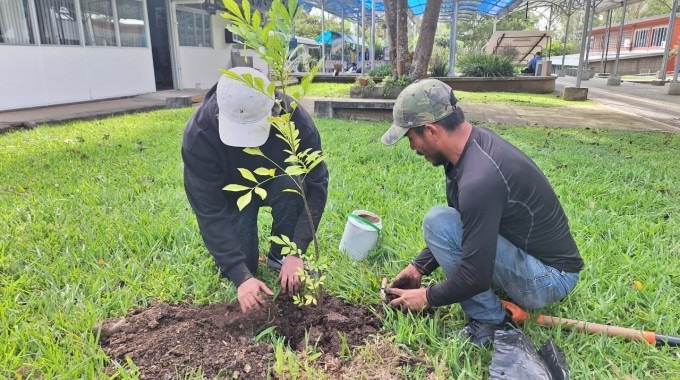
(630, 334)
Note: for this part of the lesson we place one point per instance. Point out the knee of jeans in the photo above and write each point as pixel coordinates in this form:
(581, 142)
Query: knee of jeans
(440, 216)
(535, 303)
(539, 299)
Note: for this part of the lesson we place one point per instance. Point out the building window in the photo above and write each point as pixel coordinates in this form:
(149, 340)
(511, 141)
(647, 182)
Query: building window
(57, 22)
(98, 22)
(131, 23)
(15, 23)
(640, 38)
(659, 36)
(193, 28)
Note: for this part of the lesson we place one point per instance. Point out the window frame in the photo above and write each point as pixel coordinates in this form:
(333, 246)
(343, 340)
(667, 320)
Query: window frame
(204, 43)
(636, 39)
(31, 19)
(663, 42)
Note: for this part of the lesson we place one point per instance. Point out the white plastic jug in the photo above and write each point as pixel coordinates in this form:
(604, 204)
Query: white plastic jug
(361, 234)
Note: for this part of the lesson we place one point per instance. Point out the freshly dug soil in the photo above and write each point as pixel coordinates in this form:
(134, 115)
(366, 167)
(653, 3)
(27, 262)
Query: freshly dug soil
(370, 218)
(166, 341)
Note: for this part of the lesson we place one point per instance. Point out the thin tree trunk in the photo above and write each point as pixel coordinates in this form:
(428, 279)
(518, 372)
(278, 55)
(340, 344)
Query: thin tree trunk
(391, 22)
(403, 58)
(423, 50)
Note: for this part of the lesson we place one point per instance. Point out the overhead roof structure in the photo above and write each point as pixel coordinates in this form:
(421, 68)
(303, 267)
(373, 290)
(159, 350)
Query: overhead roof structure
(351, 9)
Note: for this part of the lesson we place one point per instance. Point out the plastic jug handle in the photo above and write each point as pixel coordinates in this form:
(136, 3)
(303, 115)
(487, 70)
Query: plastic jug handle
(365, 221)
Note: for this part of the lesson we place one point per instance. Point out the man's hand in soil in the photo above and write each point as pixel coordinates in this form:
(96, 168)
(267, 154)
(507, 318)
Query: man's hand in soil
(290, 280)
(408, 299)
(249, 297)
(408, 278)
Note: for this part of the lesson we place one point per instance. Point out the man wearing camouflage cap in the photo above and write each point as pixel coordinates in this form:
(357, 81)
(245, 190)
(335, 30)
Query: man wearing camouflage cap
(503, 228)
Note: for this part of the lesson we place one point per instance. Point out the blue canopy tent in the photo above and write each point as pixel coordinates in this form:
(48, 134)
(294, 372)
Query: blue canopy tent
(329, 37)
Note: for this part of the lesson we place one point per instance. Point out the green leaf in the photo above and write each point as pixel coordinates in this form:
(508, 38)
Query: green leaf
(276, 240)
(264, 171)
(248, 79)
(261, 192)
(232, 75)
(314, 163)
(245, 4)
(247, 174)
(253, 151)
(259, 84)
(295, 170)
(293, 9)
(234, 187)
(232, 7)
(257, 19)
(244, 200)
(292, 191)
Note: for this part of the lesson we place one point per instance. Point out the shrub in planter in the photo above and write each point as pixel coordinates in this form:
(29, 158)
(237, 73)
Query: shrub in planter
(486, 65)
(439, 62)
(381, 71)
(390, 82)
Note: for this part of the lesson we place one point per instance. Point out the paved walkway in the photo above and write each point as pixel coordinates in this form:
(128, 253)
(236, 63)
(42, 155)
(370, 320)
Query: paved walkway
(631, 106)
(28, 118)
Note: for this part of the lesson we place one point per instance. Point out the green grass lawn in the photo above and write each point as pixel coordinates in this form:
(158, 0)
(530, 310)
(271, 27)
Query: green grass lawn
(341, 90)
(94, 221)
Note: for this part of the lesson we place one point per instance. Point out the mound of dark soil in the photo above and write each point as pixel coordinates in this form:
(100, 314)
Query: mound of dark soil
(165, 341)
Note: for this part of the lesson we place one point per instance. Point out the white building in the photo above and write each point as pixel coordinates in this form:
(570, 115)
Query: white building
(67, 51)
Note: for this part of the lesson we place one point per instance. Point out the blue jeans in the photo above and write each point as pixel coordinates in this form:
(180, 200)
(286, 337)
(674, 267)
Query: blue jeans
(525, 279)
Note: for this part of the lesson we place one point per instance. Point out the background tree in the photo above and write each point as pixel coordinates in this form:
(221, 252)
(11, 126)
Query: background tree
(558, 48)
(645, 9)
(396, 19)
(519, 20)
(309, 25)
(391, 28)
(475, 33)
(403, 55)
(423, 50)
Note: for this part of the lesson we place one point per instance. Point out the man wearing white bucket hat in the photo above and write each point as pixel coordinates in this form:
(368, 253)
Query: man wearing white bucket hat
(503, 227)
(232, 117)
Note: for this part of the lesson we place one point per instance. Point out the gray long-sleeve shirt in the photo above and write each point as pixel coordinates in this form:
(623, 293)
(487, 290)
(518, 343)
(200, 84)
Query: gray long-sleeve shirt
(209, 165)
(498, 190)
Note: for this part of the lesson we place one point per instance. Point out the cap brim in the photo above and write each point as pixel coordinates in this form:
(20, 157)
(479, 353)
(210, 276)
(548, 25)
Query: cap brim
(243, 135)
(393, 134)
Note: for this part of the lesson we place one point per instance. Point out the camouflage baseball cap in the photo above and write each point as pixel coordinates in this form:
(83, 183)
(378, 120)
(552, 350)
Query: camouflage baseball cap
(422, 102)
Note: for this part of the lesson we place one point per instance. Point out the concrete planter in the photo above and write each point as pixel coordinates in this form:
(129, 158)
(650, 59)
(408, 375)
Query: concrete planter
(374, 92)
(525, 84)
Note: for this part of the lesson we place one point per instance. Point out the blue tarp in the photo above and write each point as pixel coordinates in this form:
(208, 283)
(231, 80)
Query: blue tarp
(484, 7)
(351, 9)
(330, 36)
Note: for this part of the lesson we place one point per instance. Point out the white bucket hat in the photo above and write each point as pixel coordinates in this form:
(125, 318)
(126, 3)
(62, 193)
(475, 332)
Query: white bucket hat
(243, 110)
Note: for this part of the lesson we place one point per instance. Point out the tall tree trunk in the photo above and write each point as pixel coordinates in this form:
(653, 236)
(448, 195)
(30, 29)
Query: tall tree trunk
(391, 22)
(403, 59)
(423, 51)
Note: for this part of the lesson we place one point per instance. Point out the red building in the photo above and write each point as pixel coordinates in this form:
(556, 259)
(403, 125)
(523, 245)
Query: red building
(642, 46)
